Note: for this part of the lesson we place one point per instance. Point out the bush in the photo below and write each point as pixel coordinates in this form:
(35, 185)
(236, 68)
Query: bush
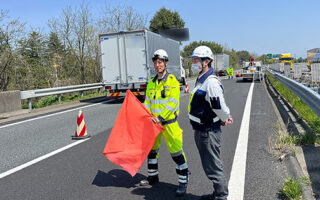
(291, 189)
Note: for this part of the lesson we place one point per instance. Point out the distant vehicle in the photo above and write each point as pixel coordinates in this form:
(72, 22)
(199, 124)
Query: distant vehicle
(238, 74)
(313, 56)
(126, 62)
(316, 58)
(220, 64)
(251, 70)
(287, 59)
(248, 73)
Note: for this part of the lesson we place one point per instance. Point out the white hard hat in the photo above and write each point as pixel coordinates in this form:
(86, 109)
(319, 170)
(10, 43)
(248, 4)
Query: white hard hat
(202, 52)
(161, 54)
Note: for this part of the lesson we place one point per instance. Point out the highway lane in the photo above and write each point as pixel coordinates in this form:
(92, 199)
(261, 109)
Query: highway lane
(82, 172)
(27, 140)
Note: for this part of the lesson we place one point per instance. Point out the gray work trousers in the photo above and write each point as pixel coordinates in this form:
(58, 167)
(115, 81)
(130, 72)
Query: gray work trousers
(208, 144)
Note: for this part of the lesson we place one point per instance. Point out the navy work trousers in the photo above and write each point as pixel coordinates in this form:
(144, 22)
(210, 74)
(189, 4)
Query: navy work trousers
(208, 144)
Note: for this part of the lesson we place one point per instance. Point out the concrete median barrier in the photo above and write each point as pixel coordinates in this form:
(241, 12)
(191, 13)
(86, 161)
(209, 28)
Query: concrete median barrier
(10, 101)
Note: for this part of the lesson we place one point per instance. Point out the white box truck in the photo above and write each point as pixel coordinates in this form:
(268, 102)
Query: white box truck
(126, 60)
(220, 64)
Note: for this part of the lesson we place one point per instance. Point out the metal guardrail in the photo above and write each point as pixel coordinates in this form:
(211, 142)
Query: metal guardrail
(307, 95)
(29, 94)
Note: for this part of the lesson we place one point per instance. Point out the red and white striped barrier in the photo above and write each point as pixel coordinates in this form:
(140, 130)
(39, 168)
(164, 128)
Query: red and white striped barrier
(186, 89)
(81, 132)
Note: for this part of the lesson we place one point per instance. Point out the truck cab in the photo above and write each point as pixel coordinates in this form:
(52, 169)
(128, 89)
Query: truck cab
(287, 59)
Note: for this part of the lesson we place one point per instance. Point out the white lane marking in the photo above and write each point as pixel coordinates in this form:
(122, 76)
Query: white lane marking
(238, 171)
(58, 113)
(11, 171)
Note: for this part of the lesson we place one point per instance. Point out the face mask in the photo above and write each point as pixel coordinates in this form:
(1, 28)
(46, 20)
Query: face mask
(195, 68)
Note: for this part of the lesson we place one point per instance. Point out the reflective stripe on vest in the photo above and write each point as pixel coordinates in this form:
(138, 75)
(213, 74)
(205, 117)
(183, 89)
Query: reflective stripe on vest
(196, 119)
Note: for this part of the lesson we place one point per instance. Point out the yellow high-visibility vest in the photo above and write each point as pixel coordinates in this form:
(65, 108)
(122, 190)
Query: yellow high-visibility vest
(162, 97)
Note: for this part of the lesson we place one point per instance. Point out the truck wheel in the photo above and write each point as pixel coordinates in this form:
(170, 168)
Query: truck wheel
(141, 98)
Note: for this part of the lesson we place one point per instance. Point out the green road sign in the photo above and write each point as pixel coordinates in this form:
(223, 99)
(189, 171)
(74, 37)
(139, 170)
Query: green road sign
(276, 56)
(269, 56)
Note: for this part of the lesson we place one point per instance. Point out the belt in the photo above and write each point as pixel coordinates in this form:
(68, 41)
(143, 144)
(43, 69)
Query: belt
(198, 120)
(170, 121)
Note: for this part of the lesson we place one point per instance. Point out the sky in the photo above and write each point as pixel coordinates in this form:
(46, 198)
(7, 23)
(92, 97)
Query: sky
(260, 27)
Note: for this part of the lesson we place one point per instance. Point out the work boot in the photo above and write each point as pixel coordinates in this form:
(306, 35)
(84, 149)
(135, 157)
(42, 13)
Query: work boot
(150, 180)
(182, 189)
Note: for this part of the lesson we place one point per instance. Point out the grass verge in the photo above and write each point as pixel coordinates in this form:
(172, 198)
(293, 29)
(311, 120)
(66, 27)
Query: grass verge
(282, 143)
(305, 112)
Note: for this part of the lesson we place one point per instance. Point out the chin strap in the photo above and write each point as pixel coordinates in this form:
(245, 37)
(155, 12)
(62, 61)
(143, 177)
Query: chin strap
(201, 61)
(165, 66)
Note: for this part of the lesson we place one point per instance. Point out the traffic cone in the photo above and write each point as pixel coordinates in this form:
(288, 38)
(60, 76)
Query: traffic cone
(81, 131)
(186, 89)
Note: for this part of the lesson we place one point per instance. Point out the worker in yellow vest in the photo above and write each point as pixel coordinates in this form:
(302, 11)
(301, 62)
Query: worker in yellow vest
(162, 101)
(230, 72)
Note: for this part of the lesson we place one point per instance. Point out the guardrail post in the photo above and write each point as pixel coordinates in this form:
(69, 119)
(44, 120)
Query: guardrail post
(29, 104)
(99, 90)
(81, 94)
(59, 98)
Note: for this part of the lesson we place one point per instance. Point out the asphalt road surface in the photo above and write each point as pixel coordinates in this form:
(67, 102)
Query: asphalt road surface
(82, 171)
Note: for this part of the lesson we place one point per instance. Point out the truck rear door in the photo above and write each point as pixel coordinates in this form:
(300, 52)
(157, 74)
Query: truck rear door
(123, 58)
(112, 59)
(135, 48)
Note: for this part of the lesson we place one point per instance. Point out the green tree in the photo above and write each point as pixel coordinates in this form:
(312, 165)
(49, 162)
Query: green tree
(187, 50)
(165, 19)
(10, 31)
(300, 60)
(54, 46)
(57, 55)
(234, 59)
(243, 55)
(32, 49)
(262, 58)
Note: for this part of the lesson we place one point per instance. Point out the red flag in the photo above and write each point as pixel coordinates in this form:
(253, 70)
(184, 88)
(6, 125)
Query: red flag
(132, 135)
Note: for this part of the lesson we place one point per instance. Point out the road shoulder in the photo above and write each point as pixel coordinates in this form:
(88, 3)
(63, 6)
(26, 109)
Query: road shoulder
(296, 164)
